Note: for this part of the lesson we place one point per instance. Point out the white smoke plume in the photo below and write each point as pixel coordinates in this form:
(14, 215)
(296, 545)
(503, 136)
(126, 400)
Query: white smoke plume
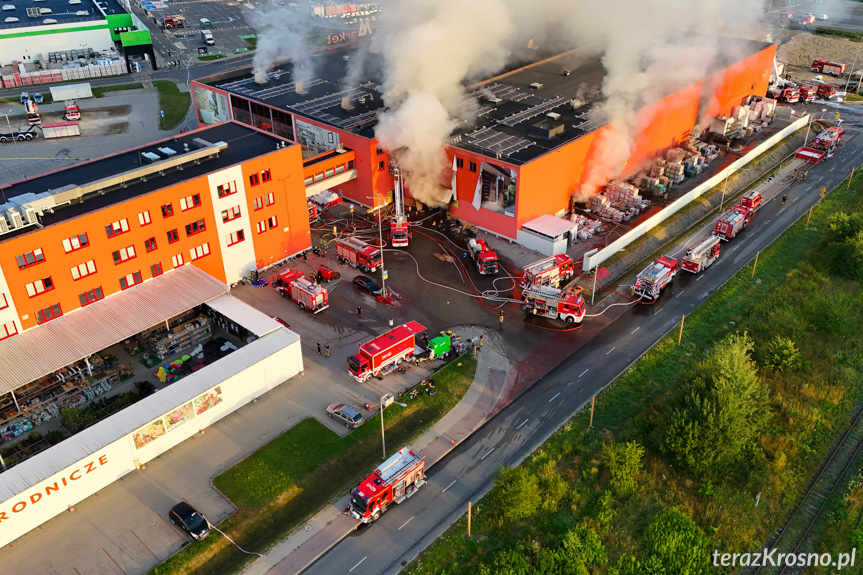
(279, 39)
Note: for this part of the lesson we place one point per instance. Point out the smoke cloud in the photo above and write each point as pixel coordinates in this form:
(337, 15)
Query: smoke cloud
(279, 39)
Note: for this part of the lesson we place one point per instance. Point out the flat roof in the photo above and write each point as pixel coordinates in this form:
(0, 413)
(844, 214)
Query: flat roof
(550, 226)
(244, 143)
(242, 313)
(510, 110)
(63, 11)
(88, 330)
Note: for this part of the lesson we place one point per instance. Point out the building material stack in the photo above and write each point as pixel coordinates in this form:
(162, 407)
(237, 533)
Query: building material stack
(587, 228)
(603, 208)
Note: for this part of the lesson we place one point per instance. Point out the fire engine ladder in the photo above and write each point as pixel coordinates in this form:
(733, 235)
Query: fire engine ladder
(398, 196)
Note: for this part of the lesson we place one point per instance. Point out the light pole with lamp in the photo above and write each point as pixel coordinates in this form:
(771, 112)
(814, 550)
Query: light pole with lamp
(11, 131)
(383, 438)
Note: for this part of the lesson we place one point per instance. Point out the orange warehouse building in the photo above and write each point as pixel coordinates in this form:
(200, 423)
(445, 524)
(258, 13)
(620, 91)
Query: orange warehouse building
(531, 144)
(227, 199)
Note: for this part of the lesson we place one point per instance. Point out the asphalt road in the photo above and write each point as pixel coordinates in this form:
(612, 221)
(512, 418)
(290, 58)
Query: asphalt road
(465, 474)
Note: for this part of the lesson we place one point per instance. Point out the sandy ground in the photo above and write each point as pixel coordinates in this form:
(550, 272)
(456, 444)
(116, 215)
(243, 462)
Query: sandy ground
(798, 49)
(98, 121)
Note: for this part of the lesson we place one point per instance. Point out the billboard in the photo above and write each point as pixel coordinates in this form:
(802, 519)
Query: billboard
(315, 140)
(212, 106)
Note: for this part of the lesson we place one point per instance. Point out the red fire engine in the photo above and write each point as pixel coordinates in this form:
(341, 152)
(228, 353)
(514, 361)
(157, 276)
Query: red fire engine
(823, 146)
(381, 355)
(732, 222)
(394, 481)
(305, 293)
(72, 111)
(551, 302)
(807, 92)
(548, 272)
(825, 67)
(400, 226)
(702, 256)
(790, 94)
(484, 257)
(650, 282)
(357, 253)
(751, 200)
(31, 112)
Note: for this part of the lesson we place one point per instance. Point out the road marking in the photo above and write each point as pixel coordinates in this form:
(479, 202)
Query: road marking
(448, 486)
(635, 330)
(585, 371)
(780, 211)
(657, 311)
(698, 278)
(358, 564)
(767, 222)
(555, 397)
(679, 293)
(403, 524)
(734, 249)
(487, 454)
(519, 427)
(609, 351)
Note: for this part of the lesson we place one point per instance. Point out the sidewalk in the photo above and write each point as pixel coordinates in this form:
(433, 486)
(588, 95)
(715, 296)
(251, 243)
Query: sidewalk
(330, 526)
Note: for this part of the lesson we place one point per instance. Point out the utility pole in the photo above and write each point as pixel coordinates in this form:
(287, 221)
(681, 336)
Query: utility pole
(680, 337)
(592, 404)
(593, 291)
(853, 66)
(755, 265)
(809, 216)
(851, 177)
(468, 519)
(383, 439)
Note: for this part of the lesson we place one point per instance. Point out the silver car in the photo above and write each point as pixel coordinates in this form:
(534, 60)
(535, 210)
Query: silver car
(346, 414)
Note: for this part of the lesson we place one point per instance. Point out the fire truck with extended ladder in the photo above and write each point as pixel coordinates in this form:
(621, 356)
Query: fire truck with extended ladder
(700, 257)
(305, 293)
(400, 226)
(483, 256)
(357, 253)
(381, 355)
(823, 146)
(395, 480)
(548, 272)
(650, 282)
(547, 301)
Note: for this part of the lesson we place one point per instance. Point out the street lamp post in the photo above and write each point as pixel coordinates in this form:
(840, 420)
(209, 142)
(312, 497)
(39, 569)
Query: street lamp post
(724, 186)
(11, 131)
(383, 439)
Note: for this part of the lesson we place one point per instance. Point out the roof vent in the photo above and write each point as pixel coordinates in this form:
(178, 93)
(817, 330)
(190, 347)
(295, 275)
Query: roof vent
(346, 104)
(536, 86)
(299, 88)
(553, 115)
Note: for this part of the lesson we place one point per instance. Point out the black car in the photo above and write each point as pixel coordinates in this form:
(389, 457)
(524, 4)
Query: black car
(367, 284)
(189, 520)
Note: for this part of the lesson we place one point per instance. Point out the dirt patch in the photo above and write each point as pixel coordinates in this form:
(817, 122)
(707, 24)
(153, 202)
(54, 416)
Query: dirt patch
(798, 49)
(97, 121)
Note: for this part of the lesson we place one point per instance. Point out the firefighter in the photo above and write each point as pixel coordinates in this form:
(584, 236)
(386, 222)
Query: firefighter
(784, 197)
(319, 348)
(501, 318)
(480, 342)
(806, 173)
(327, 349)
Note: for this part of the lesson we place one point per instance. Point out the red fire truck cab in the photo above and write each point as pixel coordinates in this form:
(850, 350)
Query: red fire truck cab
(393, 482)
(357, 253)
(732, 222)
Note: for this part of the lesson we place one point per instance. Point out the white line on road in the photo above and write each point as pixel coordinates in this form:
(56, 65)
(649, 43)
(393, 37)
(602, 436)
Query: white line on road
(487, 454)
(767, 222)
(406, 522)
(448, 486)
(609, 351)
(679, 293)
(782, 210)
(635, 330)
(734, 249)
(358, 564)
(520, 426)
(657, 311)
(555, 397)
(585, 371)
(698, 278)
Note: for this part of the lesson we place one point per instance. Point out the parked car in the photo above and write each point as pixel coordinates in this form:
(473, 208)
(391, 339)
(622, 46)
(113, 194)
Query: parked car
(189, 520)
(346, 414)
(367, 284)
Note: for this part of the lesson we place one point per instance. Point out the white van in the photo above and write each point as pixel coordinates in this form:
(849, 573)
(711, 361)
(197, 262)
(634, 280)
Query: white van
(207, 36)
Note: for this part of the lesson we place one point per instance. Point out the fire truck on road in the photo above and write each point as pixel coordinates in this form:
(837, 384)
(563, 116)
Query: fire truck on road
(732, 222)
(357, 253)
(700, 257)
(394, 481)
(484, 257)
(553, 303)
(381, 355)
(305, 293)
(823, 146)
(650, 282)
(548, 272)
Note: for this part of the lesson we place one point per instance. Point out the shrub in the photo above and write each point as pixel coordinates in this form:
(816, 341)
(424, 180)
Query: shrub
(517, 492)
(782, 355)
(624, 464)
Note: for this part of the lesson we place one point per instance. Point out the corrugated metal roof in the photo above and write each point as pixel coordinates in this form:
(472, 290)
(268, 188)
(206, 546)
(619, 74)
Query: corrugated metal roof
(242, 313)
(81, 445)
(549, 225)
(39, 351)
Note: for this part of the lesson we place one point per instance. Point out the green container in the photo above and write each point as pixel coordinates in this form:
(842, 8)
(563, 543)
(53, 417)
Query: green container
(438, 346)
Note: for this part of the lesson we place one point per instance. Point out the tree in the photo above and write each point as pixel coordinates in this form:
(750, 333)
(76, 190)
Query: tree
(720, 412)
(518, 493)
(676, 545)
(781, 354)
(624, 464)
(552, 486)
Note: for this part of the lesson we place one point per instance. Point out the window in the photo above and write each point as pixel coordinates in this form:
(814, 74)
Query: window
(379, 151)
(49, 313)
(271, 222)
(269, 199)
(75, 243)
(156, 269)
(90, 296)
(177, 260)
(190, 202)
(83, 270)
(329, 173)
(4, 303)
(227, 189)
(340, 169)
(265, 175)
(380, 166)
(319, 177)
(258, 203)
(254, 180)
(172, 236)
(144, 218)
(231, 214)
(123, 255)
(262, 226)
(150, 244)
(472, 166)
(459, 162)
(30, 258)
(117, 228)
(309, 181)
(350, 164)
(199, 252)
(130, 279)
(40, 286)
(167, 210)
(235, 237)
(195, 227)
(8, 330)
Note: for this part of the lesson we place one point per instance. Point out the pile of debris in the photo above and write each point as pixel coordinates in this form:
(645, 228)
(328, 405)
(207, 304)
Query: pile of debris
(753, 116)
(587, 228)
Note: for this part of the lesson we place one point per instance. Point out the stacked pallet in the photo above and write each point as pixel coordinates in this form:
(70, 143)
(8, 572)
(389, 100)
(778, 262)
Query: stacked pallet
(657, 169)
(675, 155)
(587, 228)
(603, 208)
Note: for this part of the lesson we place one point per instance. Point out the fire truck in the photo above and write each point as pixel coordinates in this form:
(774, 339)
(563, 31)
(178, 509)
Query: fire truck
(790, 94)
(650, 282)
(305, 293)
(807, 93)
(400, 226)
(358, 254)
(751, 200)
(548, 272)
(825, 67)
(732, 222)
(31, 112)
(823, 146)
(381, 355)
(547, 301)
(72, 111)
(395, 480)
(700, 257)
(175, 21)
(483, 256)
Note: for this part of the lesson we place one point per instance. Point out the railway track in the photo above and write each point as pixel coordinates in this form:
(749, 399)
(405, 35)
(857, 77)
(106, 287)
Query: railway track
(796, 530)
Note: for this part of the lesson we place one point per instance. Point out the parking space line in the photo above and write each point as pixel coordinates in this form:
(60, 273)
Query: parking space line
(555, 397)
(583, 372)
(406, 522)
(487, 454)
(358, 563)
(448, 486)
(145, 546)
(114, 561)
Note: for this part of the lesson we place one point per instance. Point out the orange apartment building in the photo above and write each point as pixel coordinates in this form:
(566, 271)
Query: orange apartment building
(527, 150)
(227, 199)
